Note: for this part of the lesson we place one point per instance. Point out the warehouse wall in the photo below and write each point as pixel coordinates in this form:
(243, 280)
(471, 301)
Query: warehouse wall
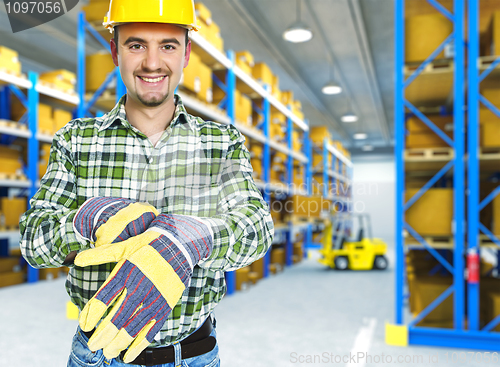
(373, 192)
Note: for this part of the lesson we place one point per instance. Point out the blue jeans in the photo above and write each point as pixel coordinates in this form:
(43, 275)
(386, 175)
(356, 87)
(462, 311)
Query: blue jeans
(81, 356)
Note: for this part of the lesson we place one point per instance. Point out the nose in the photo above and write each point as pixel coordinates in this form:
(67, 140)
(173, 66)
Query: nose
(152, 59)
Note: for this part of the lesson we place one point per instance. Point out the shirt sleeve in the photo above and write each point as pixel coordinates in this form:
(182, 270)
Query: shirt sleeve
(243, 229)
(47, 234)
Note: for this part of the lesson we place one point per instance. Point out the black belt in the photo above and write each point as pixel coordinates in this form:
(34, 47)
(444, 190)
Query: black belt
(196, 344)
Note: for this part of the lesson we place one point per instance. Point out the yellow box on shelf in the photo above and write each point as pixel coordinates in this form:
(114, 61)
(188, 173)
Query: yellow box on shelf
(424, 33)
(61, 79)
(257, 168)
(197, 78)
(425, 140)
(432, 213)
(9, 61)
(61, 118)
(203, 13)
(11, 159)
(243, 108)
(96, 10)
(490, 134)
(261, 72)
(318, 133)
(12, 209)
(287, 97)
(45, 119)
(493, 96)
(97, 68)
(245, 61)
(492, 36)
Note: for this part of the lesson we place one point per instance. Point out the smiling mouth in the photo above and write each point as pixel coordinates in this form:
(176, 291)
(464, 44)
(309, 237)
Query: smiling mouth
(152, 80)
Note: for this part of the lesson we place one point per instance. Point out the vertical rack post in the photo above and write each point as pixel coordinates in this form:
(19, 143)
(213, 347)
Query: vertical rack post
(267, 165)
(33, 150)
(473, 161)
(398, 151)
(459, 170)
(230, 89)
(80, 66)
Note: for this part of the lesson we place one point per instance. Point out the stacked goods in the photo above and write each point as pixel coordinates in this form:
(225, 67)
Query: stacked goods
(44, 159)
(256, 155)
(489, 122)
(424, 33)
(277, 127)
(209, 29)
(278, 257)
(242, 277)
(318, 134)
(287, 97)
(245, 61)
(97, 68)
(432, 213)
(275, 88)
(197, 78)
(298, 252)
(309, 206)
(489, 300)
(62, 80)
(297, 109)
(12, 209)
(296, 145)
(278, 167)
(262, 73)
(298, 176)
(422, 136)
(496, 216)
(61, 118)
(242, 108)
(257, 267)
(9, 61)
(11, 272)
(12, 163)
(45, 118)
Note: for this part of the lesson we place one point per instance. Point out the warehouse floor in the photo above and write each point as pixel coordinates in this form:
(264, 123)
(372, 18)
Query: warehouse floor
(306, 315)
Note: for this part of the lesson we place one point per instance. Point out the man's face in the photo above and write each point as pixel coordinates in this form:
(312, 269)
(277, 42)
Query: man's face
(151, 57)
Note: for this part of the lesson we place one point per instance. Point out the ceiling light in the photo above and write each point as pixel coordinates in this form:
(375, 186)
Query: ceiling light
(367, 148)
(360, 136)
(298, 32)
(331, 88)
(349, 117)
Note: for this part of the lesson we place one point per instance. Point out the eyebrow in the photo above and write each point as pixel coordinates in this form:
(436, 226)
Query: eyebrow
(140, 40)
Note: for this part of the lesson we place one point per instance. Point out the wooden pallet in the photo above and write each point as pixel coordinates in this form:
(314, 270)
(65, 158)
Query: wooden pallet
(440, 65)
(9, 228)
(429, 154)
(485, 241)
(489, 153)
(13, 176)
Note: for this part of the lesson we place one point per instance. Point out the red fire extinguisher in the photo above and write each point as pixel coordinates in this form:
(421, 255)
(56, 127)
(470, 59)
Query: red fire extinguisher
(473, 267)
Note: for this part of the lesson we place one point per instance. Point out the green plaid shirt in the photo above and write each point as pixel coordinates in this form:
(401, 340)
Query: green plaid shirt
(197, 168)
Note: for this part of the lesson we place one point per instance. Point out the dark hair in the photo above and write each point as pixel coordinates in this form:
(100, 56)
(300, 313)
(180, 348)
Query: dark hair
(115, 37)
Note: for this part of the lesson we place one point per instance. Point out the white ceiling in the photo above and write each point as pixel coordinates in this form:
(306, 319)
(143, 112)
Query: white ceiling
(356, 34)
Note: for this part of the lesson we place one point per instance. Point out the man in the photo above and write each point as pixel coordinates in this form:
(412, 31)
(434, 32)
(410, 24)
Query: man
(156, 205)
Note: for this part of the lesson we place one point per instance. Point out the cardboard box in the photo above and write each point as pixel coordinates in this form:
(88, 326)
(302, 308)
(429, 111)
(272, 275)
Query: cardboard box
(203, 13)
(60, 79)
(11, 160)
(424, 290)
(257, 168)
(426, 140)
(243, 108)
(10, 264)
(197, 77)
(496, 215)
(415, 125)
(9, 61)
(242, 277)
(258, 267)
(493, 96)
(61, 118)
(490, 134)
(262, 73)
(245, 61)
(424, 33)
(12, 209)
(432, 213)
(315, 206)
(97, 68)
(256, 151)
(95, 10)
(298, 176)
(287, 97)
(318, 134)
(492, 36)
(11, 278)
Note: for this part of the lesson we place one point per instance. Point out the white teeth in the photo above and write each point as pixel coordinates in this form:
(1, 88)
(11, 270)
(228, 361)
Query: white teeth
(150, 80)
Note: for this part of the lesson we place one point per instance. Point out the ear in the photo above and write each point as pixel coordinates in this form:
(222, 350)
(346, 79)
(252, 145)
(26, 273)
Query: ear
(114, 51)
(188, 52)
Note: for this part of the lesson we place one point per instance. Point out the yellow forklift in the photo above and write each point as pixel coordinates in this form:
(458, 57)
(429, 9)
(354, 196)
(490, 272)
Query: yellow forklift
(363, 252)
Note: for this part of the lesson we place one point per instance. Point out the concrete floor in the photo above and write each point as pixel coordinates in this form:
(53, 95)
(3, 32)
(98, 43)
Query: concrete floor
(305, 316)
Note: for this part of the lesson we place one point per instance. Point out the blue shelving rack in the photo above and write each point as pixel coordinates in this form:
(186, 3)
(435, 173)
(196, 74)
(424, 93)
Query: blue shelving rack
(463, 334)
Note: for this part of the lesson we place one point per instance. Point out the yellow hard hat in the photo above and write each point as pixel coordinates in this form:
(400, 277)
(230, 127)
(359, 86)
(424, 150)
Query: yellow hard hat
(180, 12)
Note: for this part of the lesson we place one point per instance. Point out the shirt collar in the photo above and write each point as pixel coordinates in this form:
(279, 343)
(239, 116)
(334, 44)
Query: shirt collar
(119, 114)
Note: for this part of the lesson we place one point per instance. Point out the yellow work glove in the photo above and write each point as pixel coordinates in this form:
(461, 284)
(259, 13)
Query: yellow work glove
(103, 220)
(152, 272)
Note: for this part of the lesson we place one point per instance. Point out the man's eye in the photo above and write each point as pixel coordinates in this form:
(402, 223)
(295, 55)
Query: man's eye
(169, 47)
(136, 47)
